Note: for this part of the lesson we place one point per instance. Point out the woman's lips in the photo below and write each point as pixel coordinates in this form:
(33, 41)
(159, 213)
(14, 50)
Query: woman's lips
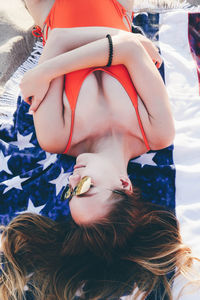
(78, 166)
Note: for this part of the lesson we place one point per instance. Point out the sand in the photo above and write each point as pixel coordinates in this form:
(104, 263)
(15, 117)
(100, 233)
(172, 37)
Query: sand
(16, 40)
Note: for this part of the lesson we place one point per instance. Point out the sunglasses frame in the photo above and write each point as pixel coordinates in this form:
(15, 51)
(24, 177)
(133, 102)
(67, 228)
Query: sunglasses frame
(73, 192)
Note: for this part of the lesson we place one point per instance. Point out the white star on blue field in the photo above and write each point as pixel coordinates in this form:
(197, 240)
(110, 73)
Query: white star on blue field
(23, 141)
(60, 181)
(14, 183)
(4, 163)
(50, 159)
(145, 159)
(32, 209)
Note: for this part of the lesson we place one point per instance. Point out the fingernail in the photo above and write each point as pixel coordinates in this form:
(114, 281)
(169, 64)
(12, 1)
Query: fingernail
(31, 112)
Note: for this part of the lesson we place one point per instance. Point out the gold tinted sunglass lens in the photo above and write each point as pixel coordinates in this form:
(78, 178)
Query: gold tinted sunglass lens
(68, 192)
(83, 186)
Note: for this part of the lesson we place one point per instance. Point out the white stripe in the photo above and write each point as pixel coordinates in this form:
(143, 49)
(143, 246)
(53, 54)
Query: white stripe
(183, 88)
(181, 69)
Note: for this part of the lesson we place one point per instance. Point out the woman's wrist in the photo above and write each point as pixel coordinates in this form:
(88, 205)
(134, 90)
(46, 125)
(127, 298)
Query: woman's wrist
(44, 70)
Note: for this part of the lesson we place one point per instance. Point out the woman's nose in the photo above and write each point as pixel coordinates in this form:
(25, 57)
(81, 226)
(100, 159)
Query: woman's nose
(74, 180)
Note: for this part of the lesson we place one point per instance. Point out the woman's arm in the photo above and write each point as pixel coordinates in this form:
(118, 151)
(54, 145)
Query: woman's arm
(153, 93)
(90, 55)
(128, 51)
(62, 40)
(36, 82)
(145, 76)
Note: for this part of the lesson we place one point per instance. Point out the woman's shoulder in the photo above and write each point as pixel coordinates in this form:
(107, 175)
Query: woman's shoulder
(39, 10)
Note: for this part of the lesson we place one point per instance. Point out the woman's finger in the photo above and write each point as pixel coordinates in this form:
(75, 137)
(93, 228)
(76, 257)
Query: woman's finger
(35, 104)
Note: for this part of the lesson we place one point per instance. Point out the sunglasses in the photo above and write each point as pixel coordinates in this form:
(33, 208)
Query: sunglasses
(82, 187)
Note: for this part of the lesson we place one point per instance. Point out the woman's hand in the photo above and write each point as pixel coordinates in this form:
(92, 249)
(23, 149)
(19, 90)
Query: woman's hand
(34, 86)
(151, 49)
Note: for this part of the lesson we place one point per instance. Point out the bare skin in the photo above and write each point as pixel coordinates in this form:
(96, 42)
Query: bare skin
(114, 137)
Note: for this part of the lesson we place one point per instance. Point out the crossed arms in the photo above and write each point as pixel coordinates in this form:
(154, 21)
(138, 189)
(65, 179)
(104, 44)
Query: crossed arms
(73, 49)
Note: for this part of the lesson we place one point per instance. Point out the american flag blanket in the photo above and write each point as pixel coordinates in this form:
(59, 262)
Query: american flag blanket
(32, 180)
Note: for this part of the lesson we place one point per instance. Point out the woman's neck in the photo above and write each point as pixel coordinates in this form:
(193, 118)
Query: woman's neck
(115, 148)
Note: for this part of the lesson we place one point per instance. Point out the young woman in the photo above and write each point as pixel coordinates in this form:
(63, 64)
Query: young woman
(94, 112)
(104, 114)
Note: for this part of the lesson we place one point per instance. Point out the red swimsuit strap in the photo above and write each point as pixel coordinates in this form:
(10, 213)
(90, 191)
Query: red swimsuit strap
(60, 9)
(123, 12)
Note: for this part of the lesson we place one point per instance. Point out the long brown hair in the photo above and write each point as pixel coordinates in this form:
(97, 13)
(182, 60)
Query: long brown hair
(136, 245)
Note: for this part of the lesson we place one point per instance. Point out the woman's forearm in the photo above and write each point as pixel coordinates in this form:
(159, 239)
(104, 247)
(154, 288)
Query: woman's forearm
(62, 40)
(90, 55)
(35, 82)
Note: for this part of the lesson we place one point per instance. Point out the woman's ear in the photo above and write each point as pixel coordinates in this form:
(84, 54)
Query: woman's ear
(126, 183)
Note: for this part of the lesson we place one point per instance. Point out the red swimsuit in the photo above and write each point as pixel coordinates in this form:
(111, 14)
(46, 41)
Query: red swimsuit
(83, 13)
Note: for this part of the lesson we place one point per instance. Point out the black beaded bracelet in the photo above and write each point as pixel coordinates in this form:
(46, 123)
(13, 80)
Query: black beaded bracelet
(110, 50)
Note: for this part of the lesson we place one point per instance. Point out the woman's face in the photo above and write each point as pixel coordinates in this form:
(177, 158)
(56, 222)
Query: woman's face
(95, 203)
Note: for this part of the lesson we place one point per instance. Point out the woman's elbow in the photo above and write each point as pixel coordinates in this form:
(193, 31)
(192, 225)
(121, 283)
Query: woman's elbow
(52, 145)
(163, 139)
